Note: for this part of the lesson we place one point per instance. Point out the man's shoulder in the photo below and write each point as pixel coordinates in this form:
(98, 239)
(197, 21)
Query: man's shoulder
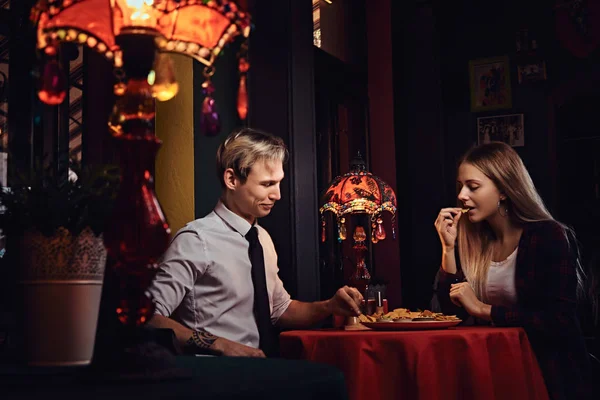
(207, 224)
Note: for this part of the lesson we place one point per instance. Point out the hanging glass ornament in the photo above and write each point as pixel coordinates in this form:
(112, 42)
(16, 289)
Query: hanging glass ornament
(343, 233)
(242, 96)
(53, 83)
(210, 121)
(380, 231)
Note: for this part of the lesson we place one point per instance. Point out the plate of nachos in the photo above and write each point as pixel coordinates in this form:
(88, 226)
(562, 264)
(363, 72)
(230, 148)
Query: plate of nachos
(402, 319)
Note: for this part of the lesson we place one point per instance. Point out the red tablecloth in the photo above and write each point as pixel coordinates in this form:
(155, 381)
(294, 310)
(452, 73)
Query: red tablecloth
(456, 363)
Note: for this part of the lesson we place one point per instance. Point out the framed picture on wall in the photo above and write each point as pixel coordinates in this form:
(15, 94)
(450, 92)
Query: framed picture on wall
(490, 84)
(533, 72)
(502, 128)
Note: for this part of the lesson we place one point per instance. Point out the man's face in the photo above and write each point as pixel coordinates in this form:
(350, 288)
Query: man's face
(256, 197)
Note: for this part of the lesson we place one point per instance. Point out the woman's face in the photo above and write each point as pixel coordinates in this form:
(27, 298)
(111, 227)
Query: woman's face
(478, 193)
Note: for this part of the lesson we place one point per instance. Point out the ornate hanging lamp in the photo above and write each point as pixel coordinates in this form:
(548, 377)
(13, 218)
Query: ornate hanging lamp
(136, 37)
(359, 192)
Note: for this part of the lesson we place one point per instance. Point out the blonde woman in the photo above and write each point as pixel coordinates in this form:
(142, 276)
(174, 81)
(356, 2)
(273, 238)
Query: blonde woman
(506, 260)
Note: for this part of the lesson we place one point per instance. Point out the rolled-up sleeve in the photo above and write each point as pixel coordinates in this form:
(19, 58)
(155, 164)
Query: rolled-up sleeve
(183, 262)
(281, 301)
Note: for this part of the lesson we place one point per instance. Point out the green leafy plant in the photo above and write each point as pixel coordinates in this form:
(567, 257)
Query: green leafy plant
(47, 199)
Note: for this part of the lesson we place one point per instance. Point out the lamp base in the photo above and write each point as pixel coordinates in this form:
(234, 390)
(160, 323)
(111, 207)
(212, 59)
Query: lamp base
(353, 324)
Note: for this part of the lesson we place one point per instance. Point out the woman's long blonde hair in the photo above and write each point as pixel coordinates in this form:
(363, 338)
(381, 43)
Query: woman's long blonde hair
(500, 163)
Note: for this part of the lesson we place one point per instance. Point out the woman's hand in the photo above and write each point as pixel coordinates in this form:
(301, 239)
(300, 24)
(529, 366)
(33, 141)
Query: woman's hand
(463, 295)
(446, 224)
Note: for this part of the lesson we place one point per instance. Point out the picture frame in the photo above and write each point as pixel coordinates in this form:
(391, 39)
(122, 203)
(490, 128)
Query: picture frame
(532, 72)
(509, 128)
(490, 84)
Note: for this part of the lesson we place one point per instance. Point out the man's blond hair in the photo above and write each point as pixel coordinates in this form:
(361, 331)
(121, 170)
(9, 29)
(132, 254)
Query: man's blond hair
(246, 146)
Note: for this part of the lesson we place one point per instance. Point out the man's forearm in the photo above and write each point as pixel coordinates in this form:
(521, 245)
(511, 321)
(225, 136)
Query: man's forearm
(191, 341)
(203, 342)
(303, 315)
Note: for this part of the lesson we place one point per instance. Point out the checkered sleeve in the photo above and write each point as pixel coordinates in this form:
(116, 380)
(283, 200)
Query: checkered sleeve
(552, 266)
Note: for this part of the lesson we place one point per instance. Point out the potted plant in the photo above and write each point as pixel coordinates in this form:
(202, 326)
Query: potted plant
(53, 223)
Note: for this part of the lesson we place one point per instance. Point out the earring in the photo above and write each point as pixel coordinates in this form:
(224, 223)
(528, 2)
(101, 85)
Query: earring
(500, 209)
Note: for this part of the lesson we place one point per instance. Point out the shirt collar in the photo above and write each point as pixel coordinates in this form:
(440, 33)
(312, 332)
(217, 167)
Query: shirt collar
(236, 222)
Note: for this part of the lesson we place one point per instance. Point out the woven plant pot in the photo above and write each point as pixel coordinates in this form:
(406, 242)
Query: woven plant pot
(61, 284)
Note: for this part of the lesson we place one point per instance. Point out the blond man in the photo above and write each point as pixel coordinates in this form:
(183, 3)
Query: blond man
(218, 287)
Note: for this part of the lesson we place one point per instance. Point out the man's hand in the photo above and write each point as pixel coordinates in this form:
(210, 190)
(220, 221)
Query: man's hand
(230, 348)
(346, 302)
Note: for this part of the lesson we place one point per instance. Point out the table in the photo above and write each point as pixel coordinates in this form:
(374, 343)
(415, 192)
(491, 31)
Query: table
(456, 363)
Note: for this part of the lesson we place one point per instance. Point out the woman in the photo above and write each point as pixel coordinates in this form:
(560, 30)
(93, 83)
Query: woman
(507, 261)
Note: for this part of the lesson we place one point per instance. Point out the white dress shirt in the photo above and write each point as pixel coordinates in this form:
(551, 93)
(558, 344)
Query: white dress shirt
(204, 279)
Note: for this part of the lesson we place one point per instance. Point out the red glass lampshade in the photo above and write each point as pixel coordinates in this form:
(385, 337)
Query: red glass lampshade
(129, 33)
(195, 28)
(359, 192)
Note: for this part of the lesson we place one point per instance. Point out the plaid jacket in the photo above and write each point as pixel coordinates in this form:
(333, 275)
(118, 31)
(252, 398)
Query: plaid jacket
(546, 282)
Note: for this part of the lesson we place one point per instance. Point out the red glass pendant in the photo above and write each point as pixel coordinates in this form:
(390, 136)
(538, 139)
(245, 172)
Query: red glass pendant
(379, 231)
(53, 84)
(210, 122)
(242, 97)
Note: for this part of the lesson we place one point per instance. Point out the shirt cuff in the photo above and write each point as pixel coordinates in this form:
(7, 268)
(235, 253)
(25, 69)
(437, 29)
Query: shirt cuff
(161, 310)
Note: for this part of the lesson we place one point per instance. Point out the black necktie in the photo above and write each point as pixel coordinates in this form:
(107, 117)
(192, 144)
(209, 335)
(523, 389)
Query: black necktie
(262, 311)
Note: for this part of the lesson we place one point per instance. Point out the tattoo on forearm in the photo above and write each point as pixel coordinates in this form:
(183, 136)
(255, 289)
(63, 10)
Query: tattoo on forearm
(200, 341)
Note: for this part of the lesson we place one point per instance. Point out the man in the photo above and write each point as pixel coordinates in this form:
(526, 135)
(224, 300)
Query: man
(217, 287)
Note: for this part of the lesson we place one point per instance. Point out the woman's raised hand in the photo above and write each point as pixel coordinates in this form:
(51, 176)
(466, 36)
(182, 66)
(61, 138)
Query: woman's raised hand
(445, 224)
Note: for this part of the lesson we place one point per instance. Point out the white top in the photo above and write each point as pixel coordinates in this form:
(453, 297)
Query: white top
(501, 289)
(204, 280)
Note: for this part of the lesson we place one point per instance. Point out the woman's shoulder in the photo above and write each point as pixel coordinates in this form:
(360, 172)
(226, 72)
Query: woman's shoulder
(548, 229)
